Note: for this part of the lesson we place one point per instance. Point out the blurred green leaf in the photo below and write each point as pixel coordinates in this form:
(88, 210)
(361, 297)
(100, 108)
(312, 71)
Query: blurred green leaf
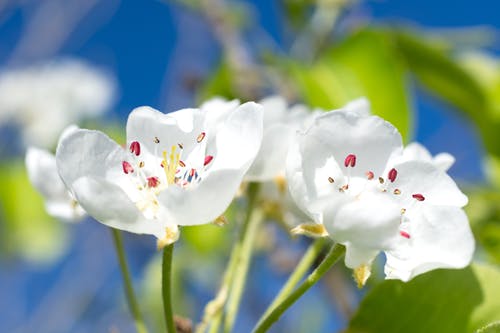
(27, 230)
(364, 64)
(440, 301)
(484, 213)
(447, 79)
(220, 83)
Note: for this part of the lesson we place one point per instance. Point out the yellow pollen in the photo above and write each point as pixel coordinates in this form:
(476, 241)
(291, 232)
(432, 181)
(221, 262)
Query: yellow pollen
(171, 164)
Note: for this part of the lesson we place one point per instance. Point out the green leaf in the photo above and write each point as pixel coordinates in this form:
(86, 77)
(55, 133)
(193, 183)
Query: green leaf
(447, 79)
(364, 64)
(440, 301)
(26, 229)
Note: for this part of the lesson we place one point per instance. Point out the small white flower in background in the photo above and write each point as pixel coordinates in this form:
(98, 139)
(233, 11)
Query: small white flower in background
(182, 168)
(346, 172)
(43, 99)
(43, 174)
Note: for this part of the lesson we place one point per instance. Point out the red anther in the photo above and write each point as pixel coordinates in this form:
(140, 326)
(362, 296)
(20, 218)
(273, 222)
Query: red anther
(182, 164)
(200, 137)
(392, 175)
(350, 161)
(192, 172)
(369, 175)
(418, 197)
(404, 234)
(135, 148)
(153, 181)
(127, 168)
(208, 159)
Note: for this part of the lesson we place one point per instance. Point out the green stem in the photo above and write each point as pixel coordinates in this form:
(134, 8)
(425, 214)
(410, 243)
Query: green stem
(127, 282)
(213, 309)
(302, 267)
(244, 250)
(167, 288)
(336, 252)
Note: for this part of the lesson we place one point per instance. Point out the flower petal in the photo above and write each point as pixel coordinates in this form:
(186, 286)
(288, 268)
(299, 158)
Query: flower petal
(239, 138)
(202, 203)
(271, 158)
(440, 237)
(42, 172)
(109, 204)
(419, 177)
(339, 134)
(357, 256)
(360, 106)
(443, 161)
(85, 153)
(369, 221)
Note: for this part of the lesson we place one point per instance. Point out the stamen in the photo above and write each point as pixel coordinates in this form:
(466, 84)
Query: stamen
(392, 175)
(182, 164)
(153, 181)
(418, 197)
(405, 234)
(135, 148)
(380, 180)
(127, 168)
(397, 191)
(350, 161)
(344, 188)
(370, 175)
(403, 210)
(180, 146)
(141, 164)
(331, 180)
(156, 140)
(200, 137)
(208, 159)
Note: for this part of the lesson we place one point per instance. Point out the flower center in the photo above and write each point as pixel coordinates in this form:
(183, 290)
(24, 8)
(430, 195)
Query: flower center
(356, 186)
(151, 173)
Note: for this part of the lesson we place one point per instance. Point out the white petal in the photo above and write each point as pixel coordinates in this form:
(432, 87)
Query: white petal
(215, 111)
(443, 161)
(357, 256)
(274, 109)
(203, 203)
(360, 106)
(440, 237)
(271, 158)
(339, 134)
(369, 221)
(108, 204)
(419, 177)
(295, 177)
(85, 153)
(42, 172)
(238, 140)
(145, 124)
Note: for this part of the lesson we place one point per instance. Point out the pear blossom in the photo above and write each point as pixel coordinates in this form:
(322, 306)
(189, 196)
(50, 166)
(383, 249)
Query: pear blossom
(346, 172)
(43, 99)
(181, 168)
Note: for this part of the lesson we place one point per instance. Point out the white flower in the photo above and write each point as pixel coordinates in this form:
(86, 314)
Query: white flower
(181, 168)
(43, 174)
(341, 172)
(44, 99)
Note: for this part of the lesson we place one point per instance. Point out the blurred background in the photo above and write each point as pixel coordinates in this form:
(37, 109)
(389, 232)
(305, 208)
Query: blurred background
(429, 67)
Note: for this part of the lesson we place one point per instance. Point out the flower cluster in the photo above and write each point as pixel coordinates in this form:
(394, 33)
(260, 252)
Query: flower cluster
(346, 170)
